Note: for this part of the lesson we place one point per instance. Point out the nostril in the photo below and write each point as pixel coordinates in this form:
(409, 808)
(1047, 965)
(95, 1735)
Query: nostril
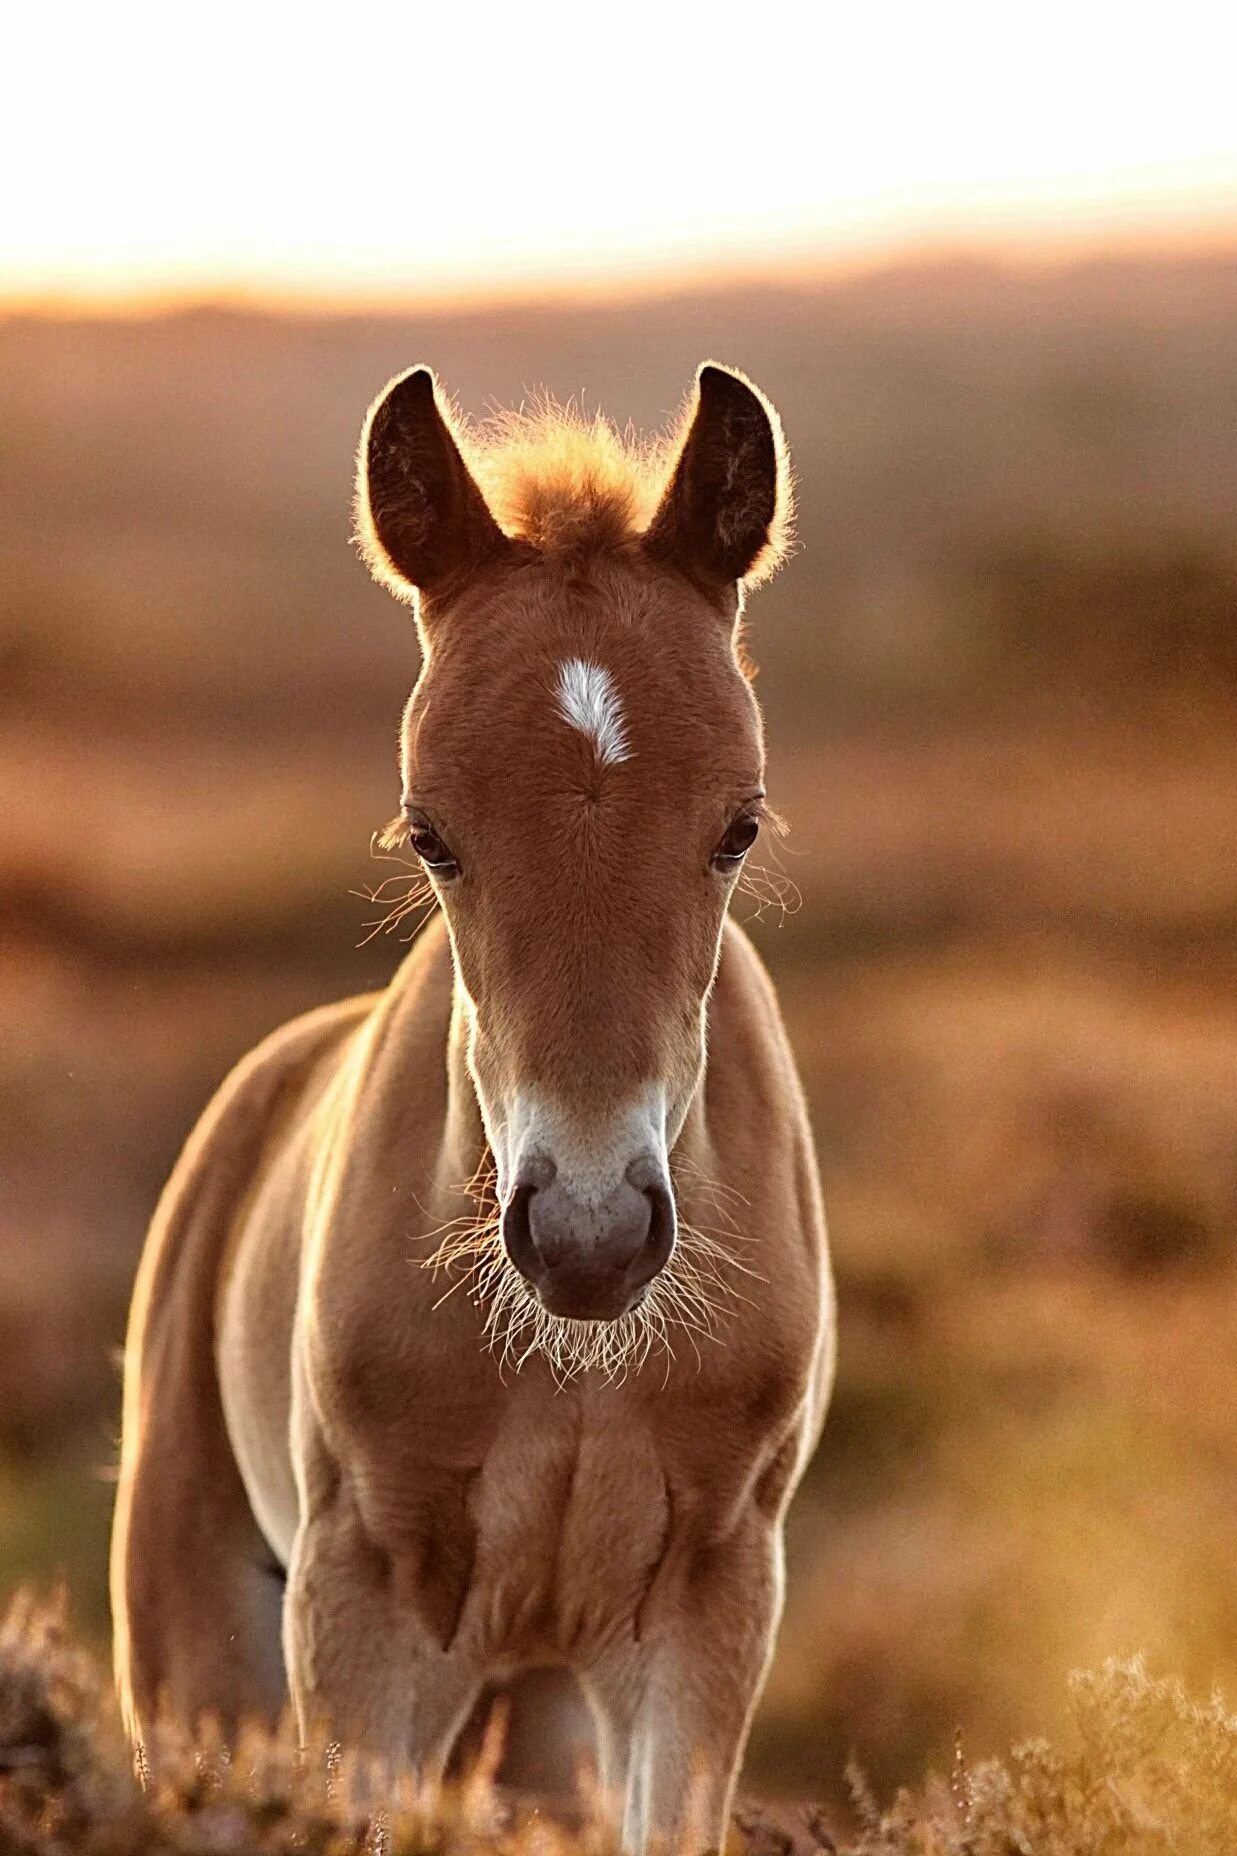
(659, 1241)
(517, 1229)
(551, 1236)
(537, 1171)
(645, 1174)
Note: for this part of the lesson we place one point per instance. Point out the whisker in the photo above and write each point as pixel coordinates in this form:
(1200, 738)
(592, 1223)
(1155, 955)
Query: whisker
(686, 1302)
(682, 1163)
(771, 889)
(398, 896)
(698, 1181)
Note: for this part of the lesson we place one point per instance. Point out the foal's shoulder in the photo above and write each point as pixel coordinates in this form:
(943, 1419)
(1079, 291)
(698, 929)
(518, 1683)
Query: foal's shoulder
(282, 1062)
(303, 1040)
(304, 1052)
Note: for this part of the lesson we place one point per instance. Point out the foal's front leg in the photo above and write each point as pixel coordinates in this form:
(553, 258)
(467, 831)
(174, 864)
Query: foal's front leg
(361, 1663)
(676, 1706)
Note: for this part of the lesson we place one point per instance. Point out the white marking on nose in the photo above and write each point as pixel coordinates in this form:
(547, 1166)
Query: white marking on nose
(590, 1161)
(588, 700)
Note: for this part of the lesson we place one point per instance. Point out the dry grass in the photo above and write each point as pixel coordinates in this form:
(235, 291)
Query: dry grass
(1145, 1771)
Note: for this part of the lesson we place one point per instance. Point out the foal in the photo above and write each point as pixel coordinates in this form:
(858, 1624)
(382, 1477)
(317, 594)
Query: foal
(341, 1481)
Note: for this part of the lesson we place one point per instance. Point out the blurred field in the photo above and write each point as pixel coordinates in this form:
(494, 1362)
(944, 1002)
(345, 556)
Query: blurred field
(1001, 686)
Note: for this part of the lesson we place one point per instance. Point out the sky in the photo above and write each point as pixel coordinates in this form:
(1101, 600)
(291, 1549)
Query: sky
(381, 152)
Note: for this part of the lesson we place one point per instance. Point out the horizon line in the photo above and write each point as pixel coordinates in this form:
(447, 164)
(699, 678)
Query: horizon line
(1009, 248)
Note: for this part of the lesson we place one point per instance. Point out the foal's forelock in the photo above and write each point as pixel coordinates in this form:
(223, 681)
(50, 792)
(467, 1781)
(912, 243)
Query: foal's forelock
(579, 753)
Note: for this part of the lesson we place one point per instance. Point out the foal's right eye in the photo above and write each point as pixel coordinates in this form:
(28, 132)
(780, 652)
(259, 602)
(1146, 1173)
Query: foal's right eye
(429, 847)
(740, 836)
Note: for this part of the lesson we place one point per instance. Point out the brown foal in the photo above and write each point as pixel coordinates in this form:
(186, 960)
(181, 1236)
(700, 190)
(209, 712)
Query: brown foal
(377, 1488)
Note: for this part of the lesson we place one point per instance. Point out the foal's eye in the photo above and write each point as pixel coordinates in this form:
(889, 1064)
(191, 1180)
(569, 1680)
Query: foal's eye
(739, 839)
(429, 847)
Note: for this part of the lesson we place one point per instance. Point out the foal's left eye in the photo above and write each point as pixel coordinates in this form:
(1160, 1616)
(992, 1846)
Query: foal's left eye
(738, 841)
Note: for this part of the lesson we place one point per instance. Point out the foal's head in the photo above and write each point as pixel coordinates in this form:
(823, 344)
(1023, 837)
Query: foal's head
(583, 773)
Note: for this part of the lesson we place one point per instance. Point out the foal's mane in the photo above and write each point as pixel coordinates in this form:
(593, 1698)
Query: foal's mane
(563, 481)
(573, 484)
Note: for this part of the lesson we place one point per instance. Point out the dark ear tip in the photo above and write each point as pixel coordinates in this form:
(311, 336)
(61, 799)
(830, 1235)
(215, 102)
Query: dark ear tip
(415, 387)
(719, 383)
(408, 403)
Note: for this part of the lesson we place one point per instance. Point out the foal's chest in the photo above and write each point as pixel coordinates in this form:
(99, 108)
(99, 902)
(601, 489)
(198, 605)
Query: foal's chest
(573, 1517)
(534, 1522)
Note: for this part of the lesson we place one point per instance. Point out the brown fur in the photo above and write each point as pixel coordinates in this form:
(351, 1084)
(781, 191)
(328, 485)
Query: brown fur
(335, 1372)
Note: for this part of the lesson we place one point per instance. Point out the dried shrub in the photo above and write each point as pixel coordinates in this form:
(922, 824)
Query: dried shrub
(1149, 1773)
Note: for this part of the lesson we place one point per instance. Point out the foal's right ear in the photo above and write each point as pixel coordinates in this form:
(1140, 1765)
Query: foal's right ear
(421, 520)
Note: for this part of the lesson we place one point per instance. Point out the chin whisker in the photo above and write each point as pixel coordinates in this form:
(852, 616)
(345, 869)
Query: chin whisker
(686, 1303)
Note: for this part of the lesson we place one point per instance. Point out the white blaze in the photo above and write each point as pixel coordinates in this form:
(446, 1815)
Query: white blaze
(588, 700)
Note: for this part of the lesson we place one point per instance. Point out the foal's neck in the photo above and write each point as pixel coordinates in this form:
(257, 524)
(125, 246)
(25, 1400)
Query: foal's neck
(465, 1144)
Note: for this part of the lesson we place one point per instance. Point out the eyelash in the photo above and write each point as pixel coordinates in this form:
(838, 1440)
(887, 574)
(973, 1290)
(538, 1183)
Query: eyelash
(433, 852)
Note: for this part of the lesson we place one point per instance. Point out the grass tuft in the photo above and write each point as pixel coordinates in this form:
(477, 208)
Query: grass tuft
(1148, 1772)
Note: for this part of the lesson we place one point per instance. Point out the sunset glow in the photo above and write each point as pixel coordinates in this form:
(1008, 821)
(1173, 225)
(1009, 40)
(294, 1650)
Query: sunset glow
(386, 150)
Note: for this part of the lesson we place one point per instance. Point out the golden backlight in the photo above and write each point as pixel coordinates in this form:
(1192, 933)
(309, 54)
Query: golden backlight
(157, 151)
(983, 259)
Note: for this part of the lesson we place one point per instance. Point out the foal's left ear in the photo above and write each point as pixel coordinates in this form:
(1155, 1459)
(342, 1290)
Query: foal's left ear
(421, 519)
(725, 515)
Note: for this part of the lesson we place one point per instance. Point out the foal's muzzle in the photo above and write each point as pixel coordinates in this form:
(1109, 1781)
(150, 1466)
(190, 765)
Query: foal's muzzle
(589, 1262)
